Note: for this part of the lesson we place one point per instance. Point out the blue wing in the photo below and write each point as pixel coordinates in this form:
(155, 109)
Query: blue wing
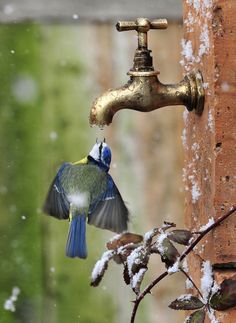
(109, 211)
(56, 203)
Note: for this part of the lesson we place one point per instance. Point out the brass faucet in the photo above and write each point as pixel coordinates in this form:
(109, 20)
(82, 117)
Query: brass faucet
(144, 92)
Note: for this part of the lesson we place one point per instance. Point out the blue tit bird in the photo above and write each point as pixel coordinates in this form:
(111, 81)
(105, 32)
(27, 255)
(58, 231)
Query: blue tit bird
(85, 190)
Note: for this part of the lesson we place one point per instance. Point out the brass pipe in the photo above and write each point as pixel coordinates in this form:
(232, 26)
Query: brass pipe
(146, 93)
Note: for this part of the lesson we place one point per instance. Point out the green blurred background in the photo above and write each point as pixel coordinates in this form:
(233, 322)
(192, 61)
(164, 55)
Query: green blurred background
(49, 76)
(44, 121)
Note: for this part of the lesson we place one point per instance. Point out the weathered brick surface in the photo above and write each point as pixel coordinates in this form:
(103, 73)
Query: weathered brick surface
(210, 141)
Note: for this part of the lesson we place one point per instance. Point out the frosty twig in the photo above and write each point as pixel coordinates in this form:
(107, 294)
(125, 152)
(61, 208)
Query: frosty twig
(202, 234)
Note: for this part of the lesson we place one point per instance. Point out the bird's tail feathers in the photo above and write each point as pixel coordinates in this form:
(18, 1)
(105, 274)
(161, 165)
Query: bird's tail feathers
(76, 242)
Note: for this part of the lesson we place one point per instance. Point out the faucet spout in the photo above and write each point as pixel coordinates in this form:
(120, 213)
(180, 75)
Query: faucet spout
(144, 92)
(105, 106)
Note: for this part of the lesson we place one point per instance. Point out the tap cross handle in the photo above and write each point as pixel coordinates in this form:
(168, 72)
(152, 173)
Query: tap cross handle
(142, 26)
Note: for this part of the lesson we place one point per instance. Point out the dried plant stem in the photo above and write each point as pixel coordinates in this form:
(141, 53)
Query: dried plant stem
(203, 233)
(144, 293)
(183, 255)
(187, 275)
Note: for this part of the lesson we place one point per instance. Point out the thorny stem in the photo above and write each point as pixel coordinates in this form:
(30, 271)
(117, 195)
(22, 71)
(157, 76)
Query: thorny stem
(187, 275)
(203, 233)
(145, 292)
(183, 255)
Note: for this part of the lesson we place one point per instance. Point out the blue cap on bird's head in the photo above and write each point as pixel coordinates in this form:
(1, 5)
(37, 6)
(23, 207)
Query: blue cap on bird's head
(101, 153)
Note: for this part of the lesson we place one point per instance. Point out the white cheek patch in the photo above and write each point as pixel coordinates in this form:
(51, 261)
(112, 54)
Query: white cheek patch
(94, 153)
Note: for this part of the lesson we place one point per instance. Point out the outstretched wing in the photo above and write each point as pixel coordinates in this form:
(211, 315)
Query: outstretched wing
(109, 211)
(56, 203)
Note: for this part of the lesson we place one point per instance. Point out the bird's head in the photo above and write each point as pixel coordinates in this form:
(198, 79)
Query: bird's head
(101, 153)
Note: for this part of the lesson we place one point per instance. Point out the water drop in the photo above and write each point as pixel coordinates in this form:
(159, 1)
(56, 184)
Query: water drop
(53, 135)
(8, 9)
(24, 88)
(75, 16)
